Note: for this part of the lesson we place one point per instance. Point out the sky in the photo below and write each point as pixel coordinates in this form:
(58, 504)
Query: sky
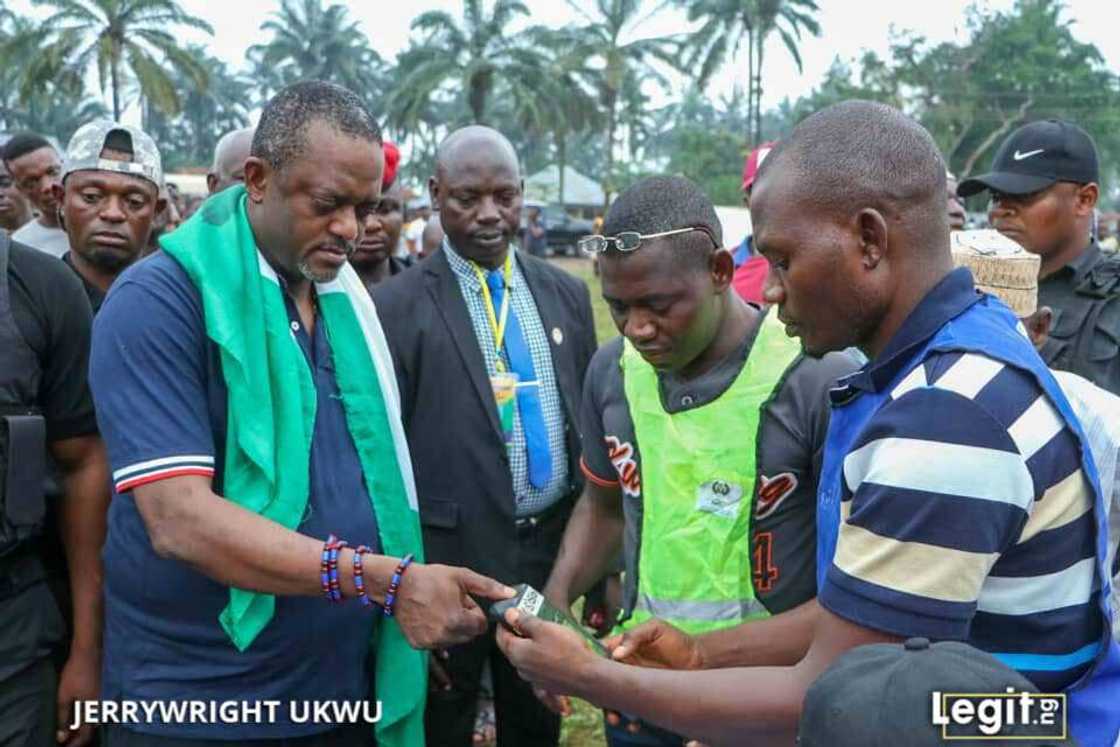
(847, 28)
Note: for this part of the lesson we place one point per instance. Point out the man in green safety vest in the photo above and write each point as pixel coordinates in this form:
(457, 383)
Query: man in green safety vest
(702, 430)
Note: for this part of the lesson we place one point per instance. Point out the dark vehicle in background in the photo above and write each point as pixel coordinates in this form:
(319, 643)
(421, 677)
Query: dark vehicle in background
(562, 231)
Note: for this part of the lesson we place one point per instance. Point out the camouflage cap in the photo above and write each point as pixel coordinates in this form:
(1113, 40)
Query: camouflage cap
(84, 152)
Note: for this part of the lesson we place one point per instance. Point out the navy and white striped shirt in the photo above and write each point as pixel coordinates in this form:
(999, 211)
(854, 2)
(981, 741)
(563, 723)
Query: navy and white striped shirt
(966, 515)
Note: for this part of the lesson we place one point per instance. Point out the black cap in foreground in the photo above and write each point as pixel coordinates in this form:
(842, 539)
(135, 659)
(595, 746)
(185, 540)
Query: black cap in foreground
(1035, 156)
(881, 695)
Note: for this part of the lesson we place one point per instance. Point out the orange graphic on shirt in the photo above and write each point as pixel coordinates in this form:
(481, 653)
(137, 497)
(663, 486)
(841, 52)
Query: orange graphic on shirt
(622, 457)
(772, 491)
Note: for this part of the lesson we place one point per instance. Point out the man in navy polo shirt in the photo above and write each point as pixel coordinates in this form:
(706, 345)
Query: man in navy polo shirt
(955, 501)
(184, 549)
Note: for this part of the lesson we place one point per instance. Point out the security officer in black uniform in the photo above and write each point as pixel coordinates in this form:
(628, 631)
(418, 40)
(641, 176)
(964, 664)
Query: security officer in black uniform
(1044, 188)
(45, 407)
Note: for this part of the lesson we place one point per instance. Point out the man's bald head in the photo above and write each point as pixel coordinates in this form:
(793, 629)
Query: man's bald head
(850, 212)
(432, 237)
(862, 154)
(476, 142)
(478, 186)
(229, 160)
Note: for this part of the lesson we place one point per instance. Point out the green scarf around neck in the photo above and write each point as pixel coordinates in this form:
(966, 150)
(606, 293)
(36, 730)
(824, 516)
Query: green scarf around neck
(272, 403)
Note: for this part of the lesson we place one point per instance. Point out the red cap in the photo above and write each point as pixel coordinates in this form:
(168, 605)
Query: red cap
(754, 161)
(392, 160)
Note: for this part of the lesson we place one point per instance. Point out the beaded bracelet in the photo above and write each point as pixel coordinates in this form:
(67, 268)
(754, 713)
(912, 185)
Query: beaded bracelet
(395, 584)
(359, 583)
(325, 566)
(335, 585)
(328, 568)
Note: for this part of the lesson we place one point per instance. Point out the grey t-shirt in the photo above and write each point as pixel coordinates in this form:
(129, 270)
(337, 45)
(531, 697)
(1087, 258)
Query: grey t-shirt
(791, 441)
(53, 241)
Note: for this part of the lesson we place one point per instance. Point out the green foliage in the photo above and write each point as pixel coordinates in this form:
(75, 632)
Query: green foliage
(578, 95)
(57, 107)
(1017, 66)
(726, 24)
(704, 142)
(464, 59)
(840, 84)
(472, 69)
(130, 42)
(310, 41)
(626, 71)
(189, 139)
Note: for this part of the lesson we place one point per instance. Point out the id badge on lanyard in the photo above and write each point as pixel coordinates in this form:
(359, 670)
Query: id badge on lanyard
(505, 394)
(503, 383)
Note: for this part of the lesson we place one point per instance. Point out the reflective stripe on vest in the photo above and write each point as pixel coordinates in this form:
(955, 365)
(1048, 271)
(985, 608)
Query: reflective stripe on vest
(731, 611)
(698, 486)
(989, 328)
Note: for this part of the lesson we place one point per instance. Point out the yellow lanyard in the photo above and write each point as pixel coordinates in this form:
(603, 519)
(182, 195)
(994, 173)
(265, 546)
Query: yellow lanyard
(497, 321)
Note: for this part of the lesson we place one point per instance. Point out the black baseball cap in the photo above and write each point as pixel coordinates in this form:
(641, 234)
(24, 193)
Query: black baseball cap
(881, 695)
(1035, 156)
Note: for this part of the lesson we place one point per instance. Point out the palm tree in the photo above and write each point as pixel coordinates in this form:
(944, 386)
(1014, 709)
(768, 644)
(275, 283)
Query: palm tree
(724, 26)
(313, 42)
(624, 66)
(57, 107)
(472, 55)
(9, 99)
(221, 108)
(60, 113)
(123, 38)
(557, 98)
(6, 17)
(190, 137)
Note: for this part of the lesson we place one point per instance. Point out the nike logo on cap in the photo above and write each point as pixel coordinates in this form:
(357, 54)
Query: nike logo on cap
(1020, 156)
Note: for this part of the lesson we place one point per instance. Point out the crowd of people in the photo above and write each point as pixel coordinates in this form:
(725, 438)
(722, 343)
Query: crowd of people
(287, 446)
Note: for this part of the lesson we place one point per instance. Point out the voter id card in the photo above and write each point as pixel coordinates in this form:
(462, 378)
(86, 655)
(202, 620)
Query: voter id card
(529, 601)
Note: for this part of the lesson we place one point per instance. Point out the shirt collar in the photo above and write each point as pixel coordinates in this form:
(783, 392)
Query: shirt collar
(1085, 262)
(1077, 268)
(464, 268)
(948, 299)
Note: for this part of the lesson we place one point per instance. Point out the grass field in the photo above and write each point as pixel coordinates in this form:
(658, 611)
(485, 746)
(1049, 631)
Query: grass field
(584, 728)
(582, 269)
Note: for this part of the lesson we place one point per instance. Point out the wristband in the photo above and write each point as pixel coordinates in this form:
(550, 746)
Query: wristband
(359, 583)
(325, 566)
(395, 584)
(328, 568)
(335, 584)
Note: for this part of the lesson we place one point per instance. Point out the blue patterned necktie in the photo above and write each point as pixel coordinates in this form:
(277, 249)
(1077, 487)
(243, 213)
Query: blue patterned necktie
(528, 397)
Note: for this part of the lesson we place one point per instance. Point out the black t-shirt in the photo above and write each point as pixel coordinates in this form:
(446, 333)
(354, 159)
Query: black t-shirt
(95, 295)
(53, 315)
(1084, 296)
(791, 437)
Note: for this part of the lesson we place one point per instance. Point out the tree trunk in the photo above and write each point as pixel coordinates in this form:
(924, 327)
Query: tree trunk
(481, 86)
(562, 162)
(758, 90)
(478, 107)
(612, 124)
(995, 135)
(957, 143)
(114, 72)
(750, 88)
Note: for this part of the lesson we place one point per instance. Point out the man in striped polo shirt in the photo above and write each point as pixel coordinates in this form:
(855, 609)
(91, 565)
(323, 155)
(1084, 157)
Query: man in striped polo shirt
(955, 501)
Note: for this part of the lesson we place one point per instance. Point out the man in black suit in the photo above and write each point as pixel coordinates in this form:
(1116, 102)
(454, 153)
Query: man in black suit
(496, 483)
